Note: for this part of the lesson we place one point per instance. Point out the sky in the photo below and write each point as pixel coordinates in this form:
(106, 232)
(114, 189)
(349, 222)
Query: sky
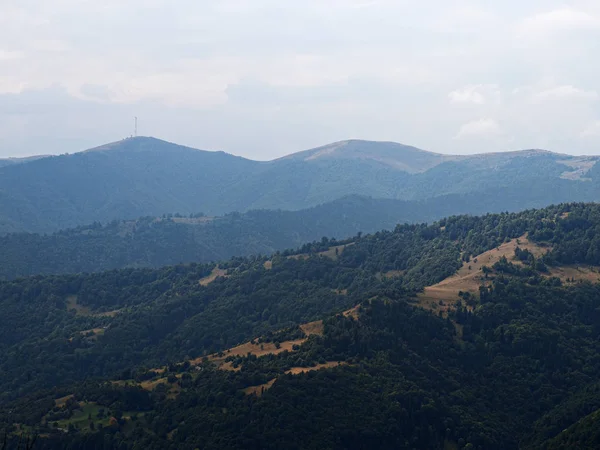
(265, 78)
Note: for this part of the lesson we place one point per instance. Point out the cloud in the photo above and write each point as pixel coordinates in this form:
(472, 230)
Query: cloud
(475, 94)
(264, 78)
(566, 92)
(6, 55)
(479, 128)
(562, 19)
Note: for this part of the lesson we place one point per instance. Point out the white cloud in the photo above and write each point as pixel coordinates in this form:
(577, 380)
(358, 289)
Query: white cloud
(6, 55)
(566, 92)
(289, 75)
(562, 19)
(478, 94)
(479, 128)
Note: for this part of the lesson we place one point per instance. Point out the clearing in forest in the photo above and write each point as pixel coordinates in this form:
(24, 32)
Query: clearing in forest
(261, 388)
(81, 310)
(216, 272)
(331, 252)
(444, 295)
(353, 312)
(261, 349)
(252, 348)
(573, 274)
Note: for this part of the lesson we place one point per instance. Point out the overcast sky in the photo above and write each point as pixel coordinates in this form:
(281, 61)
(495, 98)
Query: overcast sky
(263, 78)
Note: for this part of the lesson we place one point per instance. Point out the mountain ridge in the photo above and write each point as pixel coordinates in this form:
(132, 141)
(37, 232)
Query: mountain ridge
(149, 177)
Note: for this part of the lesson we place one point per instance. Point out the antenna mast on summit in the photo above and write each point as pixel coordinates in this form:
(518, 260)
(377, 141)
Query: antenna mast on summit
(135, 129)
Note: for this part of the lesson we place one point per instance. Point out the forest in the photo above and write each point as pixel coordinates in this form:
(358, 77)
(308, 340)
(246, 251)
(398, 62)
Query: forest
(146, 358)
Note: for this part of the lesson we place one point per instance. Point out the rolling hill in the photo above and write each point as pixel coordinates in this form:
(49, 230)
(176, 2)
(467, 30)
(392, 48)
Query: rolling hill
(149, 177)
(333, 346)
(167, 240)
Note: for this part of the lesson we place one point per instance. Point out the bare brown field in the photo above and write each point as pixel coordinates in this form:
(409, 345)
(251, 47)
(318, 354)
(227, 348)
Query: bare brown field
(444, 295)
(268, 265)
(216, 272)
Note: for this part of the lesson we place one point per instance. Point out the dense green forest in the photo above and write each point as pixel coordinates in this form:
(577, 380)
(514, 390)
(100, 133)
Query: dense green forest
(174, 239)
(143, 176)
(515, 366)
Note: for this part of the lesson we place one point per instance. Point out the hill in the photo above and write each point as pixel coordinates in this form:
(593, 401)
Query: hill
(174, 239)
(149, 177)
(330, 346)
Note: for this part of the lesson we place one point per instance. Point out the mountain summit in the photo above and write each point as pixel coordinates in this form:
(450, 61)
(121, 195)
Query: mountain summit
(401, 157)
(147, 176)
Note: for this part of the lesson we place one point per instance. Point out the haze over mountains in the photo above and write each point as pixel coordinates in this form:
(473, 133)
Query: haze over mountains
(149, 177)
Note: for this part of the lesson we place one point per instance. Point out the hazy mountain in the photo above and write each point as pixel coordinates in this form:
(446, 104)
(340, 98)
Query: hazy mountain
(161, 241)
(146, 176)
(12, 161)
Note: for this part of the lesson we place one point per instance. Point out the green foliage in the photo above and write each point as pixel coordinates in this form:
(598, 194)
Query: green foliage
(512, 369)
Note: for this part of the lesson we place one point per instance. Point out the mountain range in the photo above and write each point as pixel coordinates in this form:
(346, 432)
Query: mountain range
(145, 176)
(467, 333)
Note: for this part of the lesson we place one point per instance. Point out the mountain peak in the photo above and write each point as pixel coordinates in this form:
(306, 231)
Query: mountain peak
(138, 143)
(399, 156)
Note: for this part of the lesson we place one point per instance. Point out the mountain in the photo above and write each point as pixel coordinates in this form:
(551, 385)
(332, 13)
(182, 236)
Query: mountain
(148, 177)
(11, 161)
(167, 240)
(471, 332)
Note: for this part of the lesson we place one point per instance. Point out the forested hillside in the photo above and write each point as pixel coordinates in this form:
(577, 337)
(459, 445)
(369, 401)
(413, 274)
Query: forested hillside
(141, 177)
(173, 239)
(346, 345)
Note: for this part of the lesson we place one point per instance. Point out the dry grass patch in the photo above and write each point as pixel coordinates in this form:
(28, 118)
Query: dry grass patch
(81, 310)
(268, 265)
(313, 328)
(327, 365)
(575, 274)
(60, 402)
(252, 348)
(352, 312)
(216, 272)
(334, 252)
(260, 349)
(93, 333)
(444, 295)
(261, 388)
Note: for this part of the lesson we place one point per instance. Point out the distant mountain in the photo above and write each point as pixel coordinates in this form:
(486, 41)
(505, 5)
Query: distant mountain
(162, 241)
(12, 161)
(146, 176)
